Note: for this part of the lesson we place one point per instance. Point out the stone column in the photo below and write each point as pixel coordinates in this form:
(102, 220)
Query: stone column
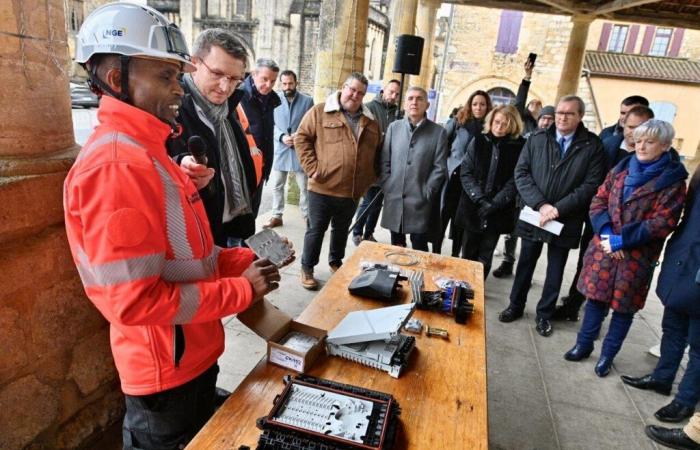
(573, 62)
(341, 49)
(425, 28)
(402, 16)
(58, 385)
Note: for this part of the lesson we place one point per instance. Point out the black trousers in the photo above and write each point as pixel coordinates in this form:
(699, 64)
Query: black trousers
(510, 243)
(480, 247)
(419, 241)
(170, 419)
(556, 262)
(576, 299)
(325, 210)
(453, 192)
(368, 222)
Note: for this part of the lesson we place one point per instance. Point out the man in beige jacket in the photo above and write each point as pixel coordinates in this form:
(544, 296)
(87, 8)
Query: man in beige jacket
(337, 143)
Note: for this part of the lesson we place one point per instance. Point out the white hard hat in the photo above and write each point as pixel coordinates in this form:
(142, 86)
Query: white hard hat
(131, 30)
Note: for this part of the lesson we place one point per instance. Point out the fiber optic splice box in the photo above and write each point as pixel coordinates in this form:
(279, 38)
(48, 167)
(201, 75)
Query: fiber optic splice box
(290, 344)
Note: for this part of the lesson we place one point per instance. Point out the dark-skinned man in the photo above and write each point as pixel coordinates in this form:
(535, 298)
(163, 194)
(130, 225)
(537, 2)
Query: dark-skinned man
(139, 235)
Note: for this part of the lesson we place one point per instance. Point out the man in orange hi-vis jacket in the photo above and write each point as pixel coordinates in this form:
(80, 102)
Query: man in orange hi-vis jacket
(140, 237)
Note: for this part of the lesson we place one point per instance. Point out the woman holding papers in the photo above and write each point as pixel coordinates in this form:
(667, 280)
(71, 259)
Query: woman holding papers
(487, 205)
(637, 206)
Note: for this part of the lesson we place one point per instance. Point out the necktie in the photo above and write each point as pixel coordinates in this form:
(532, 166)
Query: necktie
(561, 147)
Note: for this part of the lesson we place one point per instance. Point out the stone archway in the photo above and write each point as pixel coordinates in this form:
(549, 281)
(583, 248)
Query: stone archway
(485, 84)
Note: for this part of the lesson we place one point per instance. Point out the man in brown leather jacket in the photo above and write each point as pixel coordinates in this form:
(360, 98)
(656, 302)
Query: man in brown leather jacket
(337, 143)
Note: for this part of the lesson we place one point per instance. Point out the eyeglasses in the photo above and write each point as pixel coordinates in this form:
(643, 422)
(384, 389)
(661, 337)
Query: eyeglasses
(218, 76)
(355, 91)
(566, 114)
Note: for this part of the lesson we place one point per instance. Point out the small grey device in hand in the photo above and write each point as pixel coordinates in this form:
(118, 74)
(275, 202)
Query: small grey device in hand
(268, 244)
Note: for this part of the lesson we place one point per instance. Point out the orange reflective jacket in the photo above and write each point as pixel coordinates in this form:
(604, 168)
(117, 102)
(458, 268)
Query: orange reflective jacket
(255, 152)
(140, 238)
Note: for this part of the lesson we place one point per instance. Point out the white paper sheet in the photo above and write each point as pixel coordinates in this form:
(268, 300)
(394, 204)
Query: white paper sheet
(532, 217)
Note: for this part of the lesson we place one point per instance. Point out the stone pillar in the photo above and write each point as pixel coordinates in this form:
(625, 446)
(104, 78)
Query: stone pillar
(341, 46)
(402, 16)
(58, 386)
(573, 62)
(425, 28)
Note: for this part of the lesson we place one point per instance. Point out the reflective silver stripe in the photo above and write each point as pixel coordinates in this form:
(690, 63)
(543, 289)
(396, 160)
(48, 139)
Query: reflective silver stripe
(215, 258)
(106, 139)
(187, 270)
(174, 216)
(119, 271)
(189, 303)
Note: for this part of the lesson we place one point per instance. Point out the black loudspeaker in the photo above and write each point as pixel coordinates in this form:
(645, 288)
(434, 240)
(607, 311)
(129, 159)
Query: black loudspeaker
(409, 52)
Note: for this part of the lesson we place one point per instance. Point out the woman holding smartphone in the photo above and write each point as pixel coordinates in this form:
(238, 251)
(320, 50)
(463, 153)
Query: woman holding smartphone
(635, 208)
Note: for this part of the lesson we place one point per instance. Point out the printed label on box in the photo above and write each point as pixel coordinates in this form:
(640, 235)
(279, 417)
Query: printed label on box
(285, 359)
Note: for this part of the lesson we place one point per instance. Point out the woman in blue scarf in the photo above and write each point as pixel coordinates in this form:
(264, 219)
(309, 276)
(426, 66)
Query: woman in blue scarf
(637, 206)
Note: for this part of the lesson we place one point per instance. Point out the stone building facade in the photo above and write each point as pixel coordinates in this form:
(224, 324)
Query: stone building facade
(488, 48)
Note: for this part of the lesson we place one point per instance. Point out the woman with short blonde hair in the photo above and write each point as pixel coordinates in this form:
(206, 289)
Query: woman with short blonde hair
(487, 205)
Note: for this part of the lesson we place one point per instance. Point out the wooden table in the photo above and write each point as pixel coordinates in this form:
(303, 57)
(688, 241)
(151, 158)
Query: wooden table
(442, 392)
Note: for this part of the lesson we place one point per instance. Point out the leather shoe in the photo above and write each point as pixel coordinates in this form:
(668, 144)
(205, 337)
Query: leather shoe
(308, 281)
(603, 366)
(577, 353)
(648, 383)
(504, 270)
(671, 437)
(674, 412)
(565, 312)
(334, 266)
(273, 222)
(544, 328)
(356, 239)
(509, 315)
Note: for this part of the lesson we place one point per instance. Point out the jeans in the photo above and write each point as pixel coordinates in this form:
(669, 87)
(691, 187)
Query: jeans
(510, 243)
(576, 298)
(556, 261)
(170, 419)
(679, 330)
(590, 328)
(278, 179)
(479, 247)
(419, 241)
(326, 210)
(366, 224)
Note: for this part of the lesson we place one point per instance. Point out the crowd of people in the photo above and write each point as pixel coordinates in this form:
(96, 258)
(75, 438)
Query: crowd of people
(164, 194)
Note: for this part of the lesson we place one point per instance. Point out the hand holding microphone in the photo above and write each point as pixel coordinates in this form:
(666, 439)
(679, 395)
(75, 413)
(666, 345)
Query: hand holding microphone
(195, 166)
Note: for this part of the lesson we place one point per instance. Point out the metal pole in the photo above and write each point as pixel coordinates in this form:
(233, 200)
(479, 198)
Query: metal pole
(444, 60)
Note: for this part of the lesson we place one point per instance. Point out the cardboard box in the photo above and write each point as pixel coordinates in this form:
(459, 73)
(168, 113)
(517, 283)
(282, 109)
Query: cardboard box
(271, 324)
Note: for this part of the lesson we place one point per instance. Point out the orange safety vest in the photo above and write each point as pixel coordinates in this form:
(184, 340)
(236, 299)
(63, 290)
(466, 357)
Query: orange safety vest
(255, 152)
(140, 238)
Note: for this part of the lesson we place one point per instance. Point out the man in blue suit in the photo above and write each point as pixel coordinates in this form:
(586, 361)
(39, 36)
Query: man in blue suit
(288, 115)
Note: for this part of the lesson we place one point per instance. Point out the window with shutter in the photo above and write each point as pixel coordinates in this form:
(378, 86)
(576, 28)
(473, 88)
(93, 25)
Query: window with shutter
(509, 31)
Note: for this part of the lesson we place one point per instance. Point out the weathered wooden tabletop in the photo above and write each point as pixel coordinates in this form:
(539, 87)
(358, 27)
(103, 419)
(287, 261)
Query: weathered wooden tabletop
(442, 392)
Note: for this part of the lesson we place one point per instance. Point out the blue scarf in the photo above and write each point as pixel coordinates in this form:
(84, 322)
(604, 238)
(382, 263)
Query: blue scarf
(640, 173)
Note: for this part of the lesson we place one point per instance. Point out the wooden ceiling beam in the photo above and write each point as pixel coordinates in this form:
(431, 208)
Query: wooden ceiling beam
(618, 5)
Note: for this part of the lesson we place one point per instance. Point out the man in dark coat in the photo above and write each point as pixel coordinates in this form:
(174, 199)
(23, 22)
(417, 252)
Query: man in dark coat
(259, 103)
(383, 108)
(618, 127)
(557, 174)
(209, 110)
(678, 288)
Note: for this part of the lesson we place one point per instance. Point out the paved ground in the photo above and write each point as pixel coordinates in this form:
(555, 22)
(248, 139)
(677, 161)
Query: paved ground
(537, 400)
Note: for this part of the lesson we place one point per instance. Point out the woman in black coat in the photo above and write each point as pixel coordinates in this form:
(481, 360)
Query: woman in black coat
(487, 205)
(461, 129)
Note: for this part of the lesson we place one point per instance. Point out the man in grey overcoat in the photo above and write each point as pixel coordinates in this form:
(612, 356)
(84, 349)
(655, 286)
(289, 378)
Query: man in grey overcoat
(288, 116)
(413, 170)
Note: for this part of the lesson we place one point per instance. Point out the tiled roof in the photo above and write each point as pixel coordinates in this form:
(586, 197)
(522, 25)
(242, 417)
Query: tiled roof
(642, 67)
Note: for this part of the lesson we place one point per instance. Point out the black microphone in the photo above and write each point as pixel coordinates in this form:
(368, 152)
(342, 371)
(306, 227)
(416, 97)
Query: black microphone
(198, 149)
